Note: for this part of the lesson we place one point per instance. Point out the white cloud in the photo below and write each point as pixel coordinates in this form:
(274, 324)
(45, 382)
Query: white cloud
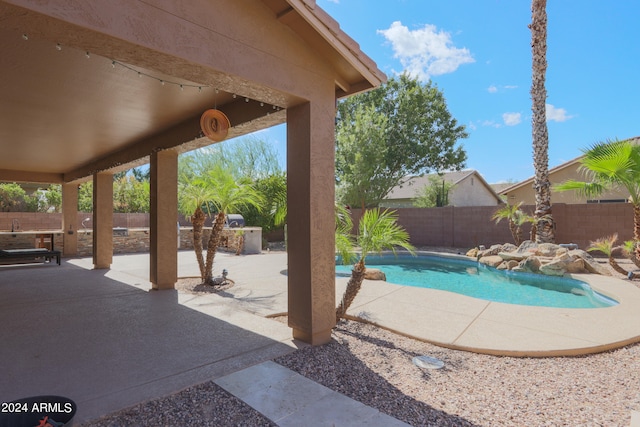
(556, 114)
(491, 123)
(512, 119)
(425, 52)
(494, 88)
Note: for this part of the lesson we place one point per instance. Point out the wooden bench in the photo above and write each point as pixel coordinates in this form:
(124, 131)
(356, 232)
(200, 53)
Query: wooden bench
(30, 254)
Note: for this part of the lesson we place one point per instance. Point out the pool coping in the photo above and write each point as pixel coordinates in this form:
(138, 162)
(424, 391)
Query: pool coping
(465, 323)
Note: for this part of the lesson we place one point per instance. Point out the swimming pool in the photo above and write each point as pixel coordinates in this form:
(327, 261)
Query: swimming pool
(476, 280)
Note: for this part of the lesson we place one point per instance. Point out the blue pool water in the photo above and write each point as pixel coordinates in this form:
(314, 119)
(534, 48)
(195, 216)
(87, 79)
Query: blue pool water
(476, 280)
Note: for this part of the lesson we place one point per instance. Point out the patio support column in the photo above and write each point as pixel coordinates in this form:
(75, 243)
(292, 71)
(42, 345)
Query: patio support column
(311, 220)
(70, 219)
(102, 220)
(163, 236)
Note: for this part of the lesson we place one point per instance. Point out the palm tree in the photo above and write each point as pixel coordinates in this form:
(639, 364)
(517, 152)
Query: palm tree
(228, 195)
(609, 165)
(606, 245)
(545, 226)
(377, 231)
(515, 217)
(191, 197)
(629, 250)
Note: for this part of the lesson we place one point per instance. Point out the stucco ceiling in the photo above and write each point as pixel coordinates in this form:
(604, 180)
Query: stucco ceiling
(68, 110)
(60, 108)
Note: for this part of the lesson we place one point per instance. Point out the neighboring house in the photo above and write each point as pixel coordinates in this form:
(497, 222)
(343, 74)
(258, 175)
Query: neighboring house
(469, 189)
(523, 191)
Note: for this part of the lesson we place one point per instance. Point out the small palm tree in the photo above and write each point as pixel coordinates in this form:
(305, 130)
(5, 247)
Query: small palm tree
(377, 231)
(610, 165)
(228, 195)
(516, 219)
(606, 245)
(191, 197)
(629, 250)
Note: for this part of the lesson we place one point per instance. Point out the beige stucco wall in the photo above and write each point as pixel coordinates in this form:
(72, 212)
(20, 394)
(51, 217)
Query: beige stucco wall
(468, 192)
(471, 192)
(526, 195)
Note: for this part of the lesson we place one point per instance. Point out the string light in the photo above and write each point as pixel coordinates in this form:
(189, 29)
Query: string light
(87, 54)
(162, 81)
(25, 37)
(58, 46)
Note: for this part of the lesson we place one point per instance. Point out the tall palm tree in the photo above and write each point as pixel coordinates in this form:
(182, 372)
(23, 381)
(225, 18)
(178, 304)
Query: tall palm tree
(545, 225)
(192, 196)
(228, 195)
(377, 231)
(609, 165)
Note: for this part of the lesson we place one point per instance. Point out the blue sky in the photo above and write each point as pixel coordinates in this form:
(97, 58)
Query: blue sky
(478, 53)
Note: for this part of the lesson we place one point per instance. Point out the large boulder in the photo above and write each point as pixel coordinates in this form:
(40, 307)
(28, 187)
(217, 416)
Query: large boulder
(590, 264)
(527, 247)
(491, 260)
(517, 256)
(547, 249)
(472, 253)
(559, 266)
(530, 265)
(374, 274)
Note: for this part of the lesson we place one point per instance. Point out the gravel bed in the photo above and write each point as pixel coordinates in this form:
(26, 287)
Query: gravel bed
(374, 366)
(202, 405)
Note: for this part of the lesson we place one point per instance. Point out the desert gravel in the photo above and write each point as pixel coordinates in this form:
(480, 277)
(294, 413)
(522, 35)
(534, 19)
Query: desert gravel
(375, 367)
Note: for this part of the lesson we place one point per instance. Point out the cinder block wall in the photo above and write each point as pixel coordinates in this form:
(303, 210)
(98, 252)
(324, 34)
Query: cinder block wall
(458, 227)
(470, 226)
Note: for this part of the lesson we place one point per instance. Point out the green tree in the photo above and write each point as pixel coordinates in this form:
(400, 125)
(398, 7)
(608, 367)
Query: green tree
(130, 195)
(435, 194)
(50, 199)
(610, 165)
(377, 231)
(545, 225)
(13, 198)
(247, 157)
(273, 191)
(85, 197)
(403, 128)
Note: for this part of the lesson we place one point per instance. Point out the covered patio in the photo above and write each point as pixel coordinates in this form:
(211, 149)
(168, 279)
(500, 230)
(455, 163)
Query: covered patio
(91, 89)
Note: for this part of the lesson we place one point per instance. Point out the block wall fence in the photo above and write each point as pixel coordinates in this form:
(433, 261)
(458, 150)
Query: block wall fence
(470, 226)
(457, 227)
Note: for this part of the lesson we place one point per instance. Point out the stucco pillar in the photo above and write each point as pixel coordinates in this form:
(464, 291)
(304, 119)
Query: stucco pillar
(102, 220)
(311, 220)
(163, 236)
(70, 219)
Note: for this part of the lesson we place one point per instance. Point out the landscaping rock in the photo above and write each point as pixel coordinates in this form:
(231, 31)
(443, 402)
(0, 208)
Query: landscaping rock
(527, 247)
(554, 268)
(590, 264)
(491, 260)
(473, 253)
(374, 274)
(531, 264)
(512, 256)
(547, 249)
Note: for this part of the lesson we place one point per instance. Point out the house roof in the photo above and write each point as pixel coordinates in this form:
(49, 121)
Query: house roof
(407, 190)
(565, 165)
(81, 90)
